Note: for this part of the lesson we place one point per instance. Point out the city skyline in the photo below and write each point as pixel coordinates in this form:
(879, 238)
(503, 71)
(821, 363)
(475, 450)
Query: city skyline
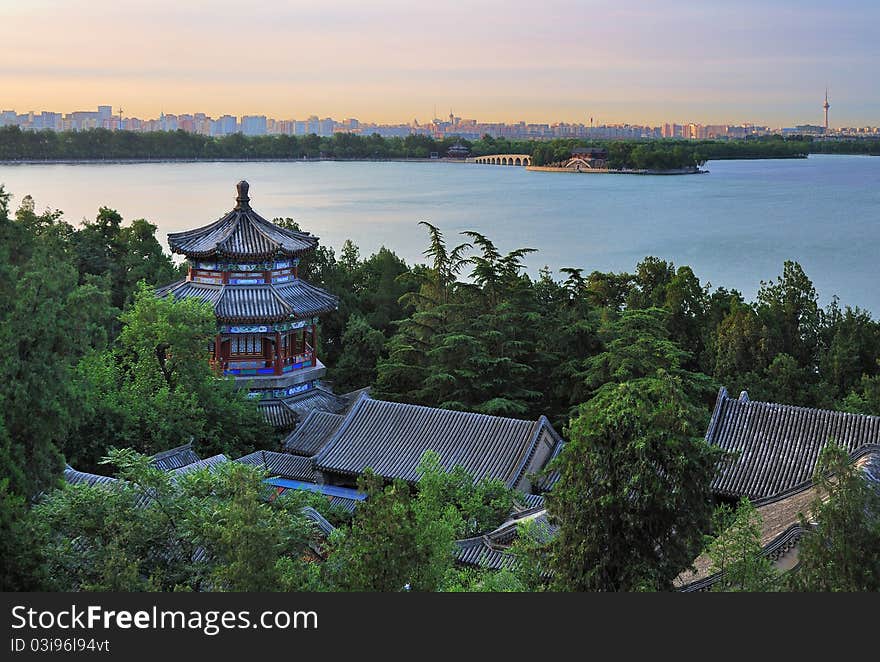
(627, 62)
(350, 122)
(452, 125)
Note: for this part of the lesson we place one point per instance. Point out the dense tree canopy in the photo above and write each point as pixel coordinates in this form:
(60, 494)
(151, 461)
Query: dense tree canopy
(625, 363)
(154, 389)
(633, 499)
(210, 529)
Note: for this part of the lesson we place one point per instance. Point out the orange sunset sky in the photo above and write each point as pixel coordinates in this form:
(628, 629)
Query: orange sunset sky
(392, 61)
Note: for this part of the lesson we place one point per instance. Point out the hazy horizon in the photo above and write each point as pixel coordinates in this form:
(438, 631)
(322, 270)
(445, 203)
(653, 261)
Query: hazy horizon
(389, 62)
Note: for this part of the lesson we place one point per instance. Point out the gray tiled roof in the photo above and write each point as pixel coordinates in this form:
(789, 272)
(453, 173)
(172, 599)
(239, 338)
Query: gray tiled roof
(208, 462)
(346, 504)
(531, 500)
(391, 437)
(320, 521)
(284, 414)
(74, 477)
(277, 414)
(282, 465)
(257, 303)
(241, 234)
(175, 458)
(311, 435)
(546, 482)
(778, 445)
(491, 550)
(781, 527)
(316, 398)
(482, 553)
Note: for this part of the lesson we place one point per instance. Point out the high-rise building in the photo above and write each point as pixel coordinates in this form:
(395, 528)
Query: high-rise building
(254, 125)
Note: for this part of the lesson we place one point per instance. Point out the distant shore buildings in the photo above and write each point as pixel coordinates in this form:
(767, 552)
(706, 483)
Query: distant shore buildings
(452, 127)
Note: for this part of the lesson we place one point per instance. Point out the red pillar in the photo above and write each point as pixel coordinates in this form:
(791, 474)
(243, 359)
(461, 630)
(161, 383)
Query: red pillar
(218, 360)
(314, 339)
(278, 361)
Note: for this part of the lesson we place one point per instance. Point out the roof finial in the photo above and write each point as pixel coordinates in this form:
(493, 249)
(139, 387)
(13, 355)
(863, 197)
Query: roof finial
(242, 199)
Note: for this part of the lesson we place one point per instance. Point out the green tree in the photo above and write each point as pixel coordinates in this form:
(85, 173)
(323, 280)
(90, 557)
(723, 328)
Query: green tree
(362, 346)
(840, 550)
(397, 541)
(638, 345)
(633, 499)
(47, 322)
(156, 389)
(23, 568)
(735, 550)
(210, 529)
(788, 307)
(402, 537)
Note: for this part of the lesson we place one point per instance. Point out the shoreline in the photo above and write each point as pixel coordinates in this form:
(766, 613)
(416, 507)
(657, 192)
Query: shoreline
(610, 171)
(114, 161)
(212, 160)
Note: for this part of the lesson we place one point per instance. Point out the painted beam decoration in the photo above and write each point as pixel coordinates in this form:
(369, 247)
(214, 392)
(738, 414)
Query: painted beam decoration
(268, 328)
(246, 266)
(281, 393)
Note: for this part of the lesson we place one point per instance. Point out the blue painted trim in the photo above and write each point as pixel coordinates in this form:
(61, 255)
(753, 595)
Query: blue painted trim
(329, 490)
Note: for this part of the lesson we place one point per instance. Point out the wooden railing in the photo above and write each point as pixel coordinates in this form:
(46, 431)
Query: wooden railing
(259, 365)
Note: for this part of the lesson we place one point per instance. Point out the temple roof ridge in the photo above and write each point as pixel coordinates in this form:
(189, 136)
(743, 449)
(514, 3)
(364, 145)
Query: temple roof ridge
(242, 234)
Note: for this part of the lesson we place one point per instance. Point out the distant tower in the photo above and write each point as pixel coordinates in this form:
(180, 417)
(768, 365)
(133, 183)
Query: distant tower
(826, 106)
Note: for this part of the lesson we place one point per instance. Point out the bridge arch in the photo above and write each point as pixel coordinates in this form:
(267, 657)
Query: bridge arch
(504, 159)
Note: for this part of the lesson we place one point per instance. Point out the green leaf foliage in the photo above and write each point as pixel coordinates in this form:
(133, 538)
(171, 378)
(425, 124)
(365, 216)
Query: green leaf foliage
(633, 499)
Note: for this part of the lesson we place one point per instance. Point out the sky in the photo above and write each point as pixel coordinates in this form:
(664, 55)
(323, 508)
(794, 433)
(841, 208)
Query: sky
(637, 61)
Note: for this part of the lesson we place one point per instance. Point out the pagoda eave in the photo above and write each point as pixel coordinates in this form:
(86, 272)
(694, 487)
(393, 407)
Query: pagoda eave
(224, 255)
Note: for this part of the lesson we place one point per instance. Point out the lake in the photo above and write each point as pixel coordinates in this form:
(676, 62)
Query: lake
(734, 226)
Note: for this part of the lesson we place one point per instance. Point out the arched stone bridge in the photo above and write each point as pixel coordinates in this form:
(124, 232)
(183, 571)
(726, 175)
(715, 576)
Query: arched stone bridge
(505, 159)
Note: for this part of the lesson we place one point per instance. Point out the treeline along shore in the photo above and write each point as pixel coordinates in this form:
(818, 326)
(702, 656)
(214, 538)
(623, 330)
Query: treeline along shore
(103, 145)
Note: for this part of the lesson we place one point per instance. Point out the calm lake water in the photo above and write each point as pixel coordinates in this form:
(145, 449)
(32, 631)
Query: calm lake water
(734, 226)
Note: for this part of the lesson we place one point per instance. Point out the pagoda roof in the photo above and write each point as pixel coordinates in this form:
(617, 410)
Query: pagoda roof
(296, 299)
(778, 445)
(391, 437)
(492, 550)
(242, 234)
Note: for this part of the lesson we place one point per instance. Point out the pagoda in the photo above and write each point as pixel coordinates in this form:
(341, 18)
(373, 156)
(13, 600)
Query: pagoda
(247, 268)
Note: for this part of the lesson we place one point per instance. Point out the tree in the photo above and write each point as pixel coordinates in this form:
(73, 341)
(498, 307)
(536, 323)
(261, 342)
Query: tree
(210, 529)
(735, 550)
(788, 307)
(633, 499)
(397, 541)
(840, 550)
(47, 322)
(23, 567)
(637, 345)
(402, 537)
(156, 390)
(362, 346)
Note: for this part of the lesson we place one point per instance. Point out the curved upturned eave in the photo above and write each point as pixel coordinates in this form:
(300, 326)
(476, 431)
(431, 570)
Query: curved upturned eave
(293, 301)
(241, 228)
